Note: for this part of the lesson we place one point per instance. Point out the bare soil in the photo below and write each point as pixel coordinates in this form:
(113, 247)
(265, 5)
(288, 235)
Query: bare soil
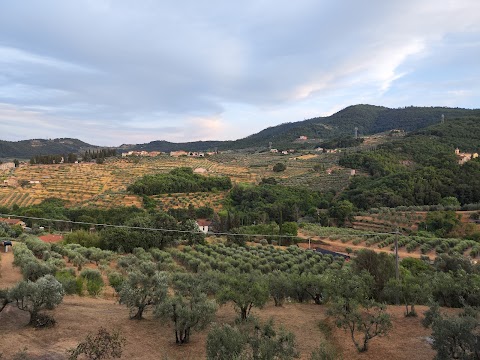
(338, 246)
(9, 275)
(153, 339)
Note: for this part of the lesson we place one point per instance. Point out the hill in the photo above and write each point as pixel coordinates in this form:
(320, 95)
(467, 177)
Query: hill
(166, 146)
(420, 169)
(463, 133)
(369, 119)
(27, 148)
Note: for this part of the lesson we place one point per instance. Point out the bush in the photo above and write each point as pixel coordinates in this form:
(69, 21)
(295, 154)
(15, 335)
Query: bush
(115, 279)
(94, 287)
(91, 274)
(103, 345)
(82, 237)
(68, 281)
(279, 167)
(94, 281)
(325, 352)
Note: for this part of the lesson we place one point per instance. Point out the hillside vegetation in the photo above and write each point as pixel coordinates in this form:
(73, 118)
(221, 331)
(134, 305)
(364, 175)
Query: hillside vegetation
(29, 148)
(420, 169)
(369, 119)
(180, 180)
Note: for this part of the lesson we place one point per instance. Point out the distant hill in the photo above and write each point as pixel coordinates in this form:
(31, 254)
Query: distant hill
(166, 146)
(462, 133)
(369, 119)
(25, 149)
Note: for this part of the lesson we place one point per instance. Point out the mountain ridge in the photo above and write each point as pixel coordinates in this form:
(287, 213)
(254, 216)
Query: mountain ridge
(368, 119)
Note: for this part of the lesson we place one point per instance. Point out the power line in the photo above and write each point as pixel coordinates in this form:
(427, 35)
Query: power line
(178, 230)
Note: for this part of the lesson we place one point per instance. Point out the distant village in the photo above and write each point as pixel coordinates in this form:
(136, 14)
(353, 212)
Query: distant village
(172, 153)
(464, 157)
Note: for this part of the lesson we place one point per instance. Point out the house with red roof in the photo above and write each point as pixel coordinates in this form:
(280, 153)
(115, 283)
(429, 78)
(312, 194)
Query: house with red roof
(203, 225)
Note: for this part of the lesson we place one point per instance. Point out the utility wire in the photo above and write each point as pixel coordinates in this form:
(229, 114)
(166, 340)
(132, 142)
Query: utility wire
(181, 231)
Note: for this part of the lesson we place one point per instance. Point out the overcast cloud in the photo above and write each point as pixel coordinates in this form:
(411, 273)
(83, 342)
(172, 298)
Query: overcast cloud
(113, 72)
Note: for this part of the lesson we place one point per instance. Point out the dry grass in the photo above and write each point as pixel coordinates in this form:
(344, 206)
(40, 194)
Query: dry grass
(154, 339)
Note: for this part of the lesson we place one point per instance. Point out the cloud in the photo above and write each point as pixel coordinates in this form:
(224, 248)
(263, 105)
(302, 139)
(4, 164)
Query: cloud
(127, 70)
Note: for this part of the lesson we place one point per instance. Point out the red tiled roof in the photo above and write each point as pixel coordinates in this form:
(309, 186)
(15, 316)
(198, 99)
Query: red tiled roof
(51, 238)
(11, 221)
(204, 222)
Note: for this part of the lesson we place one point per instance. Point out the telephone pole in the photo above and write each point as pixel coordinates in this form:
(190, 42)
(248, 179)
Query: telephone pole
(397, 272)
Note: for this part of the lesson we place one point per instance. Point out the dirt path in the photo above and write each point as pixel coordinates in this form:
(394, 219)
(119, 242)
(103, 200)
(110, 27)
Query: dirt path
(341, 247)
(9, 275)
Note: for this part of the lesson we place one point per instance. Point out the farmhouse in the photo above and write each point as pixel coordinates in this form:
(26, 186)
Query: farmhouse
(200, 171)
(6, 166)
(13, 182)
(464, 157)
(196, 154)
(178, 153)
(203, 225)
(141, 153)
(12, 222)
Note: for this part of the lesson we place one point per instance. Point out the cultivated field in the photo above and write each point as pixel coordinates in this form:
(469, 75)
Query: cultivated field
(154, 339)
(105, 185)
(349, 240)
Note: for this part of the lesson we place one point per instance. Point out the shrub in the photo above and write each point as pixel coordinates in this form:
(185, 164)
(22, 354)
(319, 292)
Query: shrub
(115, 279)
(279, 167)
(68, 281)
(94, 287)
(103, 345)
(91, 274)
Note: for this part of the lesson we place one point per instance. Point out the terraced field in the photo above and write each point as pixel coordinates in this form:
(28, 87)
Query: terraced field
(105, 185)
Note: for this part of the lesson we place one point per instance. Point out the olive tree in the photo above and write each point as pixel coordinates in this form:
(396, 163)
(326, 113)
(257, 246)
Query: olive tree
(45, 293)
(225, 342)
(352, 306)
(279, 286)
(454, 337)
(143, 287)
(368, 319)
(4, 299)
(187, 313)
(410, 289)
(251, 341)
(245, 291)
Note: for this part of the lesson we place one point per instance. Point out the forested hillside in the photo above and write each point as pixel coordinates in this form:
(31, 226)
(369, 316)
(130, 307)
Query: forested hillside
(369, 119)
(27, 149)
(420, 169)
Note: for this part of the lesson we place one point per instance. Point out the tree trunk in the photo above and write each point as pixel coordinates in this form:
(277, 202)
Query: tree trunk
(139, 314)
(243, 313)
(33, 318)
(182, 337)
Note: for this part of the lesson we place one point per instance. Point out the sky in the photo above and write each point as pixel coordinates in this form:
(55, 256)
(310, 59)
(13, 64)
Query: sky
(124, 72)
